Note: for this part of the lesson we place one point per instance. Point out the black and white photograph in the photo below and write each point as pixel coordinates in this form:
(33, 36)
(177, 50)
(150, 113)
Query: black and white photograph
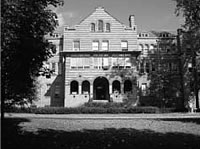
(100, 74)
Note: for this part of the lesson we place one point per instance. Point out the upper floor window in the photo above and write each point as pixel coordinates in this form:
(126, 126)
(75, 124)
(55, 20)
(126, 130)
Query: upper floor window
(95, 45)
(124, 45)
(53, 67)
(92, 27)
(100, 26)
(107, 27)
(76, 45)
(105, 45)
(140, 47)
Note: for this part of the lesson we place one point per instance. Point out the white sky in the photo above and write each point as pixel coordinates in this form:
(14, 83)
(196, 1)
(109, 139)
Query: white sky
(149, 14)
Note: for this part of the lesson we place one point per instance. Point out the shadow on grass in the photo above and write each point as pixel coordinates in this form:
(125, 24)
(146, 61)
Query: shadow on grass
(184, 120)
(124, 138)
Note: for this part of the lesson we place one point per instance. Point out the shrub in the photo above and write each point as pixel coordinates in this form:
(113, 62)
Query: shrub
(104, 105)
(92, 108)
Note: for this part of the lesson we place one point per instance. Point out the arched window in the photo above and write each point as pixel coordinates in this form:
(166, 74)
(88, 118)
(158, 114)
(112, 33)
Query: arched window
(140, 47)
(85, 87)
(107, 27)
(127, 86)
(116, 86)
(92, 27)
(152, 48)
(74, 87)
(100, 26)
(146, 49)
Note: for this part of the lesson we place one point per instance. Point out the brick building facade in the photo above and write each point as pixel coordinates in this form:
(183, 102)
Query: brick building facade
(102, 60)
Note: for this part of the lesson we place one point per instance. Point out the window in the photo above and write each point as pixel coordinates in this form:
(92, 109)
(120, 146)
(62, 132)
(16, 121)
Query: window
(144, 89)
(105, 45)
(105, 63)
(76, 45)
(128, 63)
(153, 66)
(79, 62)
(73, 62)
(85, 87)
(100, 26)
(174, 67)
(124, 45)
(92, 27)
(147, 67)
(151, 48)
(127, 86)
(97, 62)
(107, 27)
(170, 67)
(57, 90)
(53, 68)
(95, 45)
(146, 48)
(74, 87)
(140, 47)
(141, 67)
(86, 62)
(116, 86)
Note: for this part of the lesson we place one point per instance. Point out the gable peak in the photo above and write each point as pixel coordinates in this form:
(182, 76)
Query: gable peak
(99, 8)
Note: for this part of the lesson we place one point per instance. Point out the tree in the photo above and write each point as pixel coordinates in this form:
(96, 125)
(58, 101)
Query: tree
(190, 9)
(24, 48)
(163, 80)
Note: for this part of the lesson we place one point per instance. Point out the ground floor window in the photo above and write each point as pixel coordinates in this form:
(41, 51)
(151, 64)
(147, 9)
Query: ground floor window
(74, 87)
(85, 87)
(127, 86)
(116, 86)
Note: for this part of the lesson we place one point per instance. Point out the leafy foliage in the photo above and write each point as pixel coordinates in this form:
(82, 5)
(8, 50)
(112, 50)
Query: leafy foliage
(190, 9)
(24, 48)
(164, 81)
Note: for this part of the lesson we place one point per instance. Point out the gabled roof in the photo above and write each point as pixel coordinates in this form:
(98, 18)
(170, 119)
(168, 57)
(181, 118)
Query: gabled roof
(97, 9)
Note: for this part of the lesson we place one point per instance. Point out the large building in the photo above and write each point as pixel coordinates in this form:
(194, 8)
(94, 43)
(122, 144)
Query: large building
(102, 60)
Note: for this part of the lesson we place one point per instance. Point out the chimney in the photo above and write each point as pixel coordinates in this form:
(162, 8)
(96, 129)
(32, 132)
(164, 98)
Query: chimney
(132, 21)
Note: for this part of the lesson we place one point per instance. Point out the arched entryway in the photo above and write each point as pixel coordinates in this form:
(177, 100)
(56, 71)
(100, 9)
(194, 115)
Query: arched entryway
(85, 87)
(127, 86)
(101, 89)
(116, 86)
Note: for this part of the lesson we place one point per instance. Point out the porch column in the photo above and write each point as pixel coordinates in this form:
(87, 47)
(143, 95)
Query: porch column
(110, 89)
(79, 89)
(122, 88)
(91, 91)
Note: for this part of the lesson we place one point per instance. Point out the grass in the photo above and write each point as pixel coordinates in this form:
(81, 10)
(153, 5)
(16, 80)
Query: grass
(16, 136)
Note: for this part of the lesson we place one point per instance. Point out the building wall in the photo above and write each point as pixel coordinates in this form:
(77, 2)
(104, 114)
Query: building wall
(149, 43)
(118, 32)
(47, 82)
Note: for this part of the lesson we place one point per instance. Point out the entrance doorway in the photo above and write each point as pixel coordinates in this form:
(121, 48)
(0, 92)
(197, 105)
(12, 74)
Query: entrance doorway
(101, 89)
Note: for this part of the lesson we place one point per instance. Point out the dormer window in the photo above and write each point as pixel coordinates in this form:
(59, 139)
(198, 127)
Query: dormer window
(100, 26)
(107, 27)
(92, 27)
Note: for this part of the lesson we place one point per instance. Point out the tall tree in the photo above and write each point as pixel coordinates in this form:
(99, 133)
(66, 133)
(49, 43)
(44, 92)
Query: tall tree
(164, 85)
(24, 48)
(190, 9)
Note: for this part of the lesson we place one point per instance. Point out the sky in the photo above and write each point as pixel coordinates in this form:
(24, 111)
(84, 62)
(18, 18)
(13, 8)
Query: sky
(149, 14)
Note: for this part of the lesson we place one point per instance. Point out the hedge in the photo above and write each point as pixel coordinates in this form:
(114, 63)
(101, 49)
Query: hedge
(89, 110)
